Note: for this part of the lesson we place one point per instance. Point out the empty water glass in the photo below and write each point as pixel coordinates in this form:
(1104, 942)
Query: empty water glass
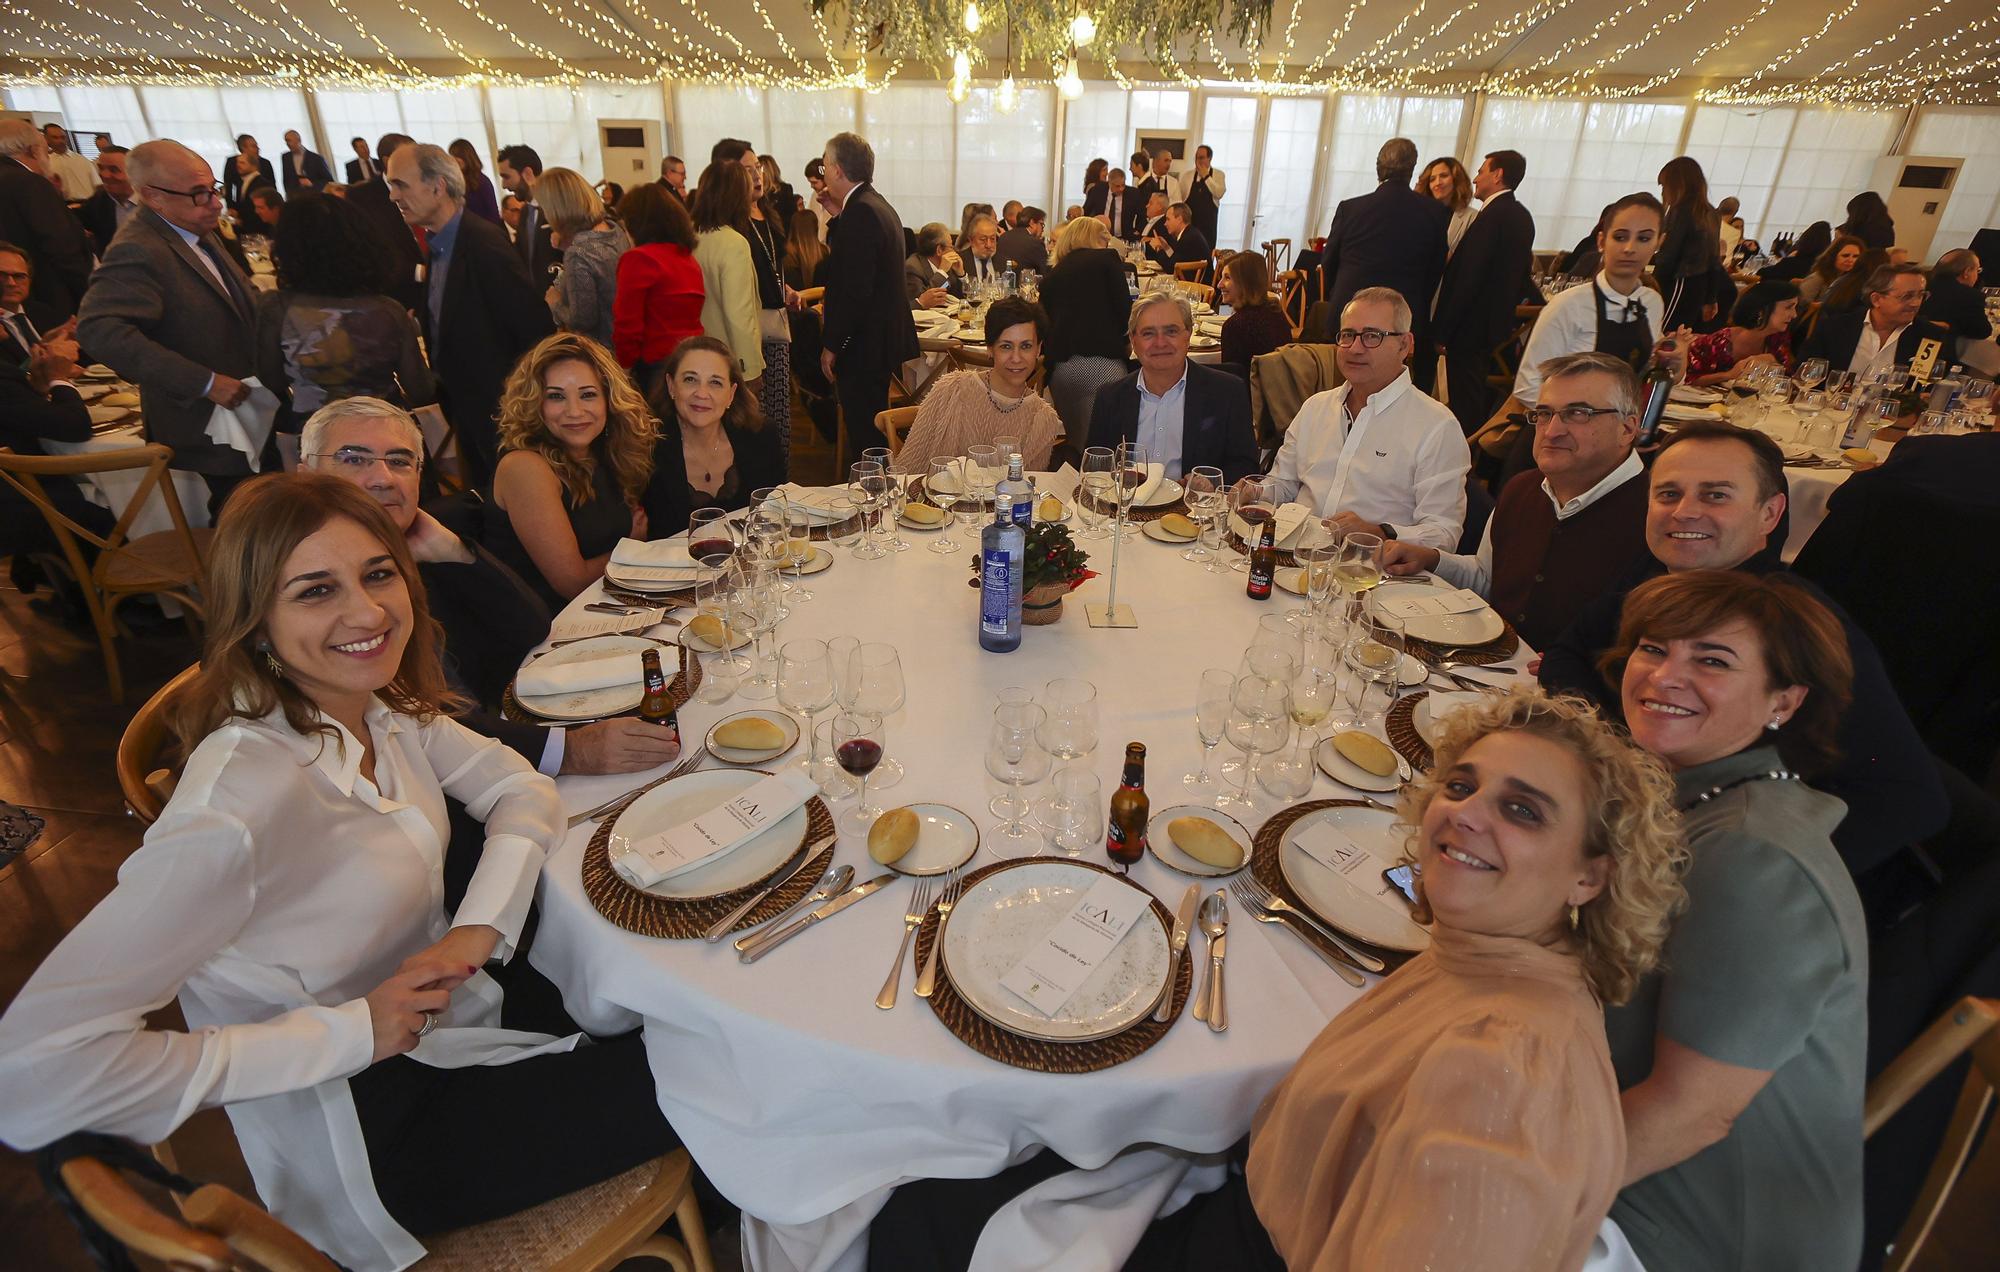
(1074, 819)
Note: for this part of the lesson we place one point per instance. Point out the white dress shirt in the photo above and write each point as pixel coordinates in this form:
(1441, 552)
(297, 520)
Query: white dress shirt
(75, 174)
(1401, 462)
(278, 888)
(1163, 423)
(1568, 324)
(1873, 352)
(1476, 572)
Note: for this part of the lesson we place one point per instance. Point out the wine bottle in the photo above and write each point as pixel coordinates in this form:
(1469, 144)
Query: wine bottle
(1263, 565)
(657, 707)
(1003, 560)
(1658, 386)
(1125, 842)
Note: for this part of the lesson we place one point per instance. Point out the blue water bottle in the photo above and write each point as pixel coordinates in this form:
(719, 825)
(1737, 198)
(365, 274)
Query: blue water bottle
(1003, 556)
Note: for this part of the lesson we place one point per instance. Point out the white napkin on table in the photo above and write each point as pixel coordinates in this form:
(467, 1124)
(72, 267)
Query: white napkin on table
(781, 793)
(822, 503)
(608, 671)
(1155, 474)
(246, 427)
(659, 552)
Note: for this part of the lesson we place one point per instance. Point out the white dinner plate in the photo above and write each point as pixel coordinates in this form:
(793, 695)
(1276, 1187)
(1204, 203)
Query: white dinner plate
(1162, 845)
(743, 755)
(1009, 912)
(1347, 772)
(635, 579)
(1159, 534)
(1056, 520)
(1797, 451)
(820, 560)
(1169, 491)
(1694, 393)
(1363, 904)
(1290, 578)
(823, 504)
(1475, 628)
(701, 646)
(591, 704)
(1424, 719)
(946, 838)
(682, 800)
(907, 524)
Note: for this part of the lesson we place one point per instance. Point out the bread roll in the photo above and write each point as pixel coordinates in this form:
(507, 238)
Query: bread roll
(923, 514)
(893, 835)
(1206, 842)
(1049, 509)
(1861, 457)
(751, 733)
(1179, 526)
(709, 628)
(1365, 751)
(119, 399)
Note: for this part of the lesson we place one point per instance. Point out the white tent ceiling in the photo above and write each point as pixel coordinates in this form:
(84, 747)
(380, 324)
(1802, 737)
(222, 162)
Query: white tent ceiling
(1816, 49)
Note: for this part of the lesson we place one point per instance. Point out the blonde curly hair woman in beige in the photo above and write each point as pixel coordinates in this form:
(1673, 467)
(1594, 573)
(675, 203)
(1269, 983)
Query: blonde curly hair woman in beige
(581, 467)
(1462, 1115)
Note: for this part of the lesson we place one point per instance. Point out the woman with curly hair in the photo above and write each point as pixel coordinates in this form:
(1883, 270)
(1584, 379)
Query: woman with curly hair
(1462, 1115)
(1743, 1059)
(581, 467)
(329, 331)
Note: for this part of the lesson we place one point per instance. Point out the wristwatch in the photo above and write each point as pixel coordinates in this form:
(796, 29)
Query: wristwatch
(1388, 531)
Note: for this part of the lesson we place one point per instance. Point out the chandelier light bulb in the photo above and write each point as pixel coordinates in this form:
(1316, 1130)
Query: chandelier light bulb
(1082, 30)
(958, 90)
(961, 66)
(972, 16)
(1008, 98)
(1071, 83)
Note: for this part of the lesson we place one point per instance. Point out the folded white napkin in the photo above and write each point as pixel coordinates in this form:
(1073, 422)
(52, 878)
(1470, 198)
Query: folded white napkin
(1291, 518)
(247, 426)
(822, 503)
(1210, 326)
(607, 671)
(1062, 483)
(660, 856)
(1155, 474)
(659, 552)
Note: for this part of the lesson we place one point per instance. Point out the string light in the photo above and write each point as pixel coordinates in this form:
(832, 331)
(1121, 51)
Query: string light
(1008, 97)
(971, 17)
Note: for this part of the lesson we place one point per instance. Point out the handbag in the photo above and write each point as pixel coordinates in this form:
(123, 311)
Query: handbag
(774, 326)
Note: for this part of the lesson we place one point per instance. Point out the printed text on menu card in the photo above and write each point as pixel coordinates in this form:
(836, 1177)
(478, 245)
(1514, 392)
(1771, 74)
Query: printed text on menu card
(1059, 964)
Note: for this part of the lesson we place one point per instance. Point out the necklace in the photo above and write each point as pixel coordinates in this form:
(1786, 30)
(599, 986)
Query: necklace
(708, 461)
(767, 244)
(1011, 405)
(1773, 775)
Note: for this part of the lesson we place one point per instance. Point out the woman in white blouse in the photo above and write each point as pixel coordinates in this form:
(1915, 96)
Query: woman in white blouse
(290, 895)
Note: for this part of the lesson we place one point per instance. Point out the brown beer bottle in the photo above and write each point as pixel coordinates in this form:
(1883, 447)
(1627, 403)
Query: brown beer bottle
(1130, 810)
(1263, 566)
(656, 707)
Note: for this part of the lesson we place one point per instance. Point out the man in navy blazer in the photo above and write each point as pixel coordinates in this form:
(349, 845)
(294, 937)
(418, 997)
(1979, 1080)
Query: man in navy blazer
(1392, 238)
(867, 330)
(1485, 280)
(1186, 414)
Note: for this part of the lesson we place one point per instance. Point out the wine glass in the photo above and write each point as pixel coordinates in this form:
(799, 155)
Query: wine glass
(715, 597)
(1773, 392)
(1743, 392)
(1131, 463)
(1015, 758)
(1374, 660)
(898, 494)
(767, 530)
(1211, 713)
(799, 549)
(982, 474)
(1074, 820)
(1246, 504)
(1810, 373)
(879, 690)
(840, 654)
(1359, 569)
(1204, 492)
(1315, 693)
(857, 748)
(710, 533)
(945, 481)
(806, 686)
(867, 476)
(1069, 721)
(1098, 477)
(1259, 724)
(1318, 564)
(755, 587)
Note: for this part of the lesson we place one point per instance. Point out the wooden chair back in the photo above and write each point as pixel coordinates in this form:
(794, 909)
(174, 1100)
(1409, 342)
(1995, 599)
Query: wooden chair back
(1191, 272)
(1197, 292)
(217, 1230)
(143, 774)
(1278, 255)
(1972, 1026)
(1292, 299)
(895, 422)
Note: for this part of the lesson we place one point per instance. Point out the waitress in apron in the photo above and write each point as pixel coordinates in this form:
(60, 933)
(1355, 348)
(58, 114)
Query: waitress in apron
(1204, 192)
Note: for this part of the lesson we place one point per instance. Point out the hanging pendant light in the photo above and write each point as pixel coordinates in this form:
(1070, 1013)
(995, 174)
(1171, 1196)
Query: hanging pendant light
(972, 17)
(1008, 97)
(1070, 85)
(1082, 30)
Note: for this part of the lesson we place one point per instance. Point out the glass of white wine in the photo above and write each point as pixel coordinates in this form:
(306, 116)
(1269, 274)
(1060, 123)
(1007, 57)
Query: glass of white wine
(1315, 692)
(1359, 569)
(944, 483)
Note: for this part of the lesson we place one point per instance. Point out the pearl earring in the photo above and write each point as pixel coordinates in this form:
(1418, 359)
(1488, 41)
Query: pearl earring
(1777, 722)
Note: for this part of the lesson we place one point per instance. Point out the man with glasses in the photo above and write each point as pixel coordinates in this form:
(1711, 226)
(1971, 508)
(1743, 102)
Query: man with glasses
(1377, 454)
(1564, 531)
(33, 214)
(172, 311)
(1183, 413)
(1886, 333)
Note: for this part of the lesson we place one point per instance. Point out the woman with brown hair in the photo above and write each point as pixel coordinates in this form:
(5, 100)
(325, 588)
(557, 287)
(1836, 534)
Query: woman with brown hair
(1446, 181)
(1256, 323)
(660, 291)
(592, 241)
(289, 896)
(1690, 245)
(1830, 266)
(733, 301)
(1743, 1058)
(725, 443)
(804, 253)
(581, 467)
(479, 195)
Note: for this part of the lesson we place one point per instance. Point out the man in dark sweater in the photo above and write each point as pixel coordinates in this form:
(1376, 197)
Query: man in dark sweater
(1563, 531)
(1717, 494)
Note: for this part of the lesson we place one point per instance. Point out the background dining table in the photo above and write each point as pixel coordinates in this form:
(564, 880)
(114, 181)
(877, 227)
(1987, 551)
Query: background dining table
(805, 1103)
(114, 490)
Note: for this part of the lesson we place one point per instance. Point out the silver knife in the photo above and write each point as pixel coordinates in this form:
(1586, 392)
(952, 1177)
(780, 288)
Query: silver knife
(769, 941)
(1183, 920)
(831, 884)
(730, 920)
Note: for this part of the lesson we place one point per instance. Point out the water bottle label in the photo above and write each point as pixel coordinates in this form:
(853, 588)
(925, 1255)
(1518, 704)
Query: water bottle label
(995, 590)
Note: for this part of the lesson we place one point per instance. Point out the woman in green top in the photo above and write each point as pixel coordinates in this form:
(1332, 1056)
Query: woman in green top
(1742, 1060)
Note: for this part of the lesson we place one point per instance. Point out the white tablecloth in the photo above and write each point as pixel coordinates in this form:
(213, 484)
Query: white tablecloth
(1809, 488)
(114, 490)
(804, 1102)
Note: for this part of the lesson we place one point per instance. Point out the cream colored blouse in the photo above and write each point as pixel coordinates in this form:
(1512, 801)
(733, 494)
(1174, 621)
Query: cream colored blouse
(1462, 1115)
(960, 411)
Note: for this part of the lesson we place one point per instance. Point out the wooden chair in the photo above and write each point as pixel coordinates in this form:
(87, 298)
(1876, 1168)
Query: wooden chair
(147, 782)
(814, 298)
(1197, 291)
(894, 422)
(1292, 299)
(1191, 272)
(166, 563)
(1973, 1025)
(1278, 255)
(104, 1194)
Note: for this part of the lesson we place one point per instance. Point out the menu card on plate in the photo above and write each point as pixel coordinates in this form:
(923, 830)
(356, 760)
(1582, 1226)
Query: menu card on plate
(1362, 866)
(1054, 970)
(1436, 603)
(589, 624)
(652, 858)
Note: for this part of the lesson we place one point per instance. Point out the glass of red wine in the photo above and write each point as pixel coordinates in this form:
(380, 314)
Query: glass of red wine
(1246, 501)
(710, 533)
(857, 747)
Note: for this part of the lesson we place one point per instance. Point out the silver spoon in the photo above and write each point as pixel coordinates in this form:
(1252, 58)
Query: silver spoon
(1211, 1004)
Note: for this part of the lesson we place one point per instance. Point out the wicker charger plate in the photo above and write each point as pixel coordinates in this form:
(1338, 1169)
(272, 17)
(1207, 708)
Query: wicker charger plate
(1401, 726)
(671, 919)
(681, 689)
(1135, 515)
(995, 1043)
(1264, 865)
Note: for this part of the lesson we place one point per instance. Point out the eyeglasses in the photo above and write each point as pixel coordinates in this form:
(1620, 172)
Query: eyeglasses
(1907, 296)
(356, 459)
(1571, 415)
(1369, 338)
(200, 196)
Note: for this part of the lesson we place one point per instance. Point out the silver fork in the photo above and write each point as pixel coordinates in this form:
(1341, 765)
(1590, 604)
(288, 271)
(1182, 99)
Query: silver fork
(1253, 892)
(920, 901)
(927, 981)
(611, 805)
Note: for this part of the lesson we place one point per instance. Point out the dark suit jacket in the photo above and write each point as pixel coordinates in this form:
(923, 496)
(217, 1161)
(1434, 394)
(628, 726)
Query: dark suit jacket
(399, 243)
(1835, 336)
(1394, 237)
(538, 250)
(1215, 420)
(1024, 249)
(99, 215)
(316, 171)
(1188, 249)
(156, 315)
(1087, 300)
(1131, 208)
(27, 417)
(1963, 469)
(1960, 308)
(920, 275)
(1475, 308)
(490, 315)
(41, 318)
(491, 619)
(34, 216)
(867, 319)
(354, 176)
(236, 189)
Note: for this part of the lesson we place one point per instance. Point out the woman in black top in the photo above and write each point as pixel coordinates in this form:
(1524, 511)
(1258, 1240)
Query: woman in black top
(1868, 220)
(727, 448)
(582, 465)
(1087, 298)
(1691, 244)
(1257, 324)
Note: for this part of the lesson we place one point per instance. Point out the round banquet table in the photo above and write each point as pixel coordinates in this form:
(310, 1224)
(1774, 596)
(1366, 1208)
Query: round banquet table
(804, 1102)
